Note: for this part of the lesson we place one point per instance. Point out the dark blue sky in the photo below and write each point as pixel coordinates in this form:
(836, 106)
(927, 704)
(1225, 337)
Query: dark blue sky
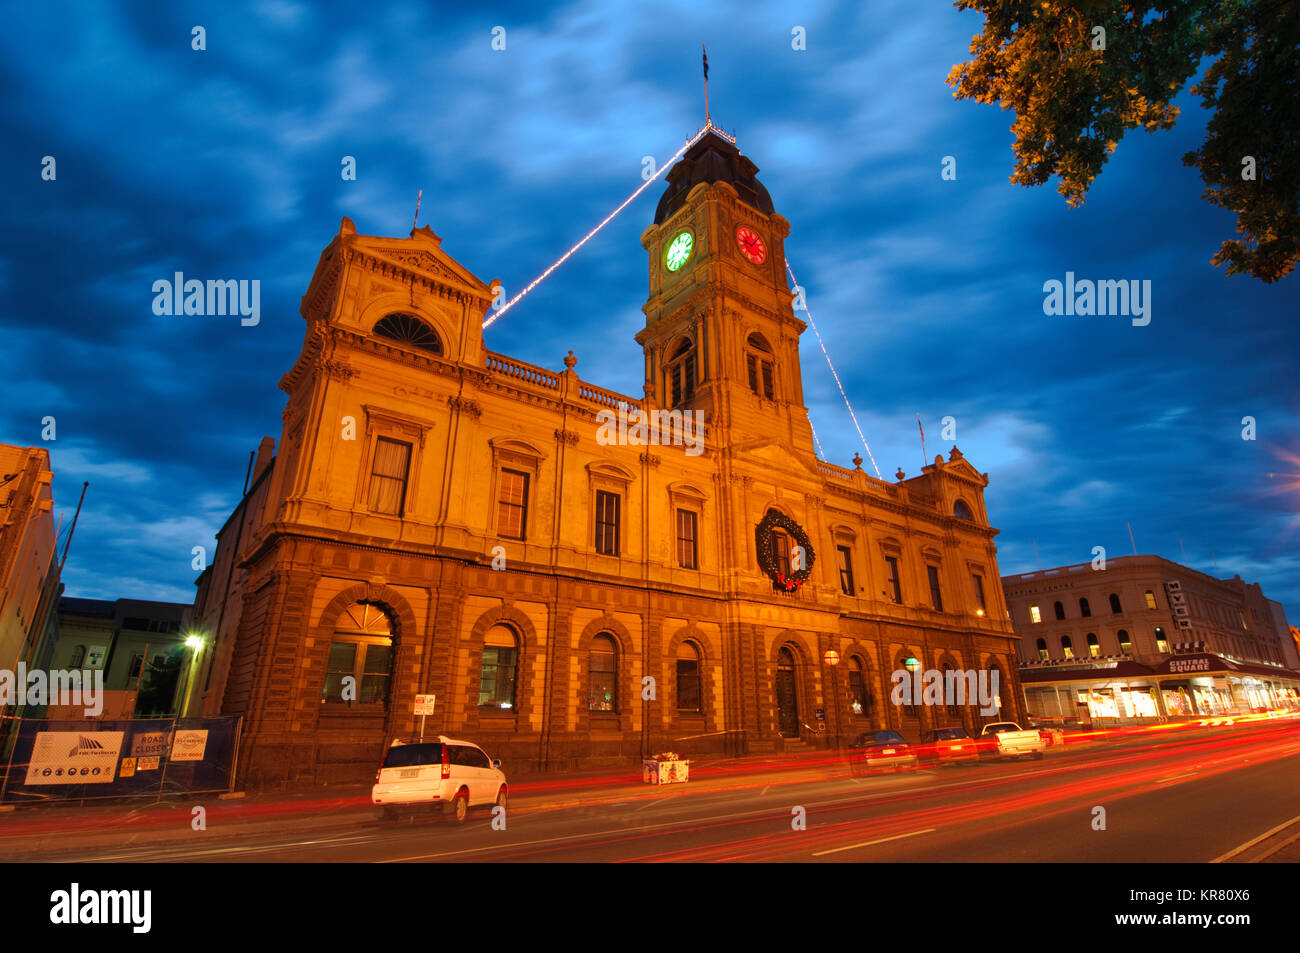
(225, 164)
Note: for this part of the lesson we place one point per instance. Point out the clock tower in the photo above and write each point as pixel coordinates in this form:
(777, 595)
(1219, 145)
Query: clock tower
(721, 335)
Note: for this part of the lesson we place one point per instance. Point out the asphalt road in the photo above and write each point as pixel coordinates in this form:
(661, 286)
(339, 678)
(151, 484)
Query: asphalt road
(1187, 795)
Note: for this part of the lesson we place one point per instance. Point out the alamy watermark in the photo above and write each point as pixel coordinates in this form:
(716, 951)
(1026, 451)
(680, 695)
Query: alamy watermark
(631, 426)
(948, 687)
(215, 296)
(1107, 297)
(131, 908)
(56, 687)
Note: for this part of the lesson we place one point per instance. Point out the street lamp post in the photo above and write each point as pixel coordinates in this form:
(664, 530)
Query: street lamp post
(912, 663)
(195, 644)
(832, 658)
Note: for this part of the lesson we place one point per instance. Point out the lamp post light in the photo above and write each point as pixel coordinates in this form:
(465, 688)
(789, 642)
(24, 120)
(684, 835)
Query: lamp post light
(195, 644)
(912, 663)
(832, 658)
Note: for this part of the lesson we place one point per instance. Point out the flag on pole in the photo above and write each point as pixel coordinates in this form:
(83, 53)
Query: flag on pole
(922, 429)
(706, 62)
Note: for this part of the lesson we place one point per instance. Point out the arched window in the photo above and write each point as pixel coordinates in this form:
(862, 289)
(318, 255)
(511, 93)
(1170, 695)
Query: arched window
(688, 677)
(1085, 610)
(78, 657)
(954, 710)
(962, 511)
(602, 675)
(1125, 646)
(759, 363)
(360, 662)
(1162, 641)
(496, 681)
(681, 373)
(859, 698)
(405, 329)
(1067, 647)
(1060, 610)
(1042, 650)
(1094, 647)
(1114, 604)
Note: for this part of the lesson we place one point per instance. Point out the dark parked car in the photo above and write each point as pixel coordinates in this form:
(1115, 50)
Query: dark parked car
(880, 749)
(949, 746)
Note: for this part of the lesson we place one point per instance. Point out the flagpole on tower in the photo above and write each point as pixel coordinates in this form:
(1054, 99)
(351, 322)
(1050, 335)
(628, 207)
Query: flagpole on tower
(707, 121)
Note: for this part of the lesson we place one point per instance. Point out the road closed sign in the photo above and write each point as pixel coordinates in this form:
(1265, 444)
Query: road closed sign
(424, 704)
(189, 745)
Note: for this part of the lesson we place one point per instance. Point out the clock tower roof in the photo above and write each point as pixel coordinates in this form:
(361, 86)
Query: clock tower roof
(712, 159)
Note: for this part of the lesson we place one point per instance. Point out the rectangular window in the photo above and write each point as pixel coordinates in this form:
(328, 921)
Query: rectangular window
(846, 570)
(781, 551)
(603, 678)
(341, 663)
(979, 592)
(496, 683)
(767, 379)
(936, 599)
(688, 684)
(374, 673)
(1035, 614)
(1151, 599)
(753, 373)
(388, 475)
(687, 548)
(512, 504)
(857, 692)
(607, 523)
(891, 563)
(368, 664)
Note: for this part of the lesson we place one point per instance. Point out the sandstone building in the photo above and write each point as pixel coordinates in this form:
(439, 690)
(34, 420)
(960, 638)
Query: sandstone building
(442, 519)
(1145, 639)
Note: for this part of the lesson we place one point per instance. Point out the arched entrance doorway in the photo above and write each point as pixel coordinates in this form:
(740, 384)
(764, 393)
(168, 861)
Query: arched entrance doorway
(787, 702)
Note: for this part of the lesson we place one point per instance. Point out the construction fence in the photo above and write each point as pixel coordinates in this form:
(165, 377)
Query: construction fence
(64, 760)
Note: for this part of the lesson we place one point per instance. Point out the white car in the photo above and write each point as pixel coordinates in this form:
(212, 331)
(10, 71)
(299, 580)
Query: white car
(446, 774)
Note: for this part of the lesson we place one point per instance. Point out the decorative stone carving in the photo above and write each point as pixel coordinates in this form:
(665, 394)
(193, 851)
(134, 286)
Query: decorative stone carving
(465, 405)
(337, 370)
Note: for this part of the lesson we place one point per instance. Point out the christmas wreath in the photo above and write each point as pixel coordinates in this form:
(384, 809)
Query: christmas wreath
(767, 551)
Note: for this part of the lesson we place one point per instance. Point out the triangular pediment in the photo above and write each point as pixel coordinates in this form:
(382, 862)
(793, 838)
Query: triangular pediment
(422, 254)
(961, 468)
(773, 457)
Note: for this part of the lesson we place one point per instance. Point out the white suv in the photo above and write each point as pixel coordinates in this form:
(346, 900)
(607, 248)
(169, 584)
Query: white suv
(454, 775)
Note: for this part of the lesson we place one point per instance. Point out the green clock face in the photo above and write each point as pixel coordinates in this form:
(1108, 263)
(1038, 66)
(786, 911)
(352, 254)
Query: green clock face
(679, 250)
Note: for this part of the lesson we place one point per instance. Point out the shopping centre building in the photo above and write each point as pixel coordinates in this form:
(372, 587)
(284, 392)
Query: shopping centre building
(1146, 639)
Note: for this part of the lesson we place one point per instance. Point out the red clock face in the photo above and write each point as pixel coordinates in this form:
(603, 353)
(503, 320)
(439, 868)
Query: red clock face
(751, 246)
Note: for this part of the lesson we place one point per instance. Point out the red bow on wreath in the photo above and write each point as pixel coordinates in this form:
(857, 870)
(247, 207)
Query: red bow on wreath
(790, 584)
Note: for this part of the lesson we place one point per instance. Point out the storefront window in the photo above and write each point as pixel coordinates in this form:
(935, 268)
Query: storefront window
(1178, 701)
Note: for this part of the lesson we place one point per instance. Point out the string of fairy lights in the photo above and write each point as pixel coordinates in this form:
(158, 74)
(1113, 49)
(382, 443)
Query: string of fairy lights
(663, 167)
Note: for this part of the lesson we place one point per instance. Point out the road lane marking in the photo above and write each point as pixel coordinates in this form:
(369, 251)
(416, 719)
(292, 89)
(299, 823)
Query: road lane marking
(1251, 843)
(1286, 843)
(836, 850)
(1178, 776)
